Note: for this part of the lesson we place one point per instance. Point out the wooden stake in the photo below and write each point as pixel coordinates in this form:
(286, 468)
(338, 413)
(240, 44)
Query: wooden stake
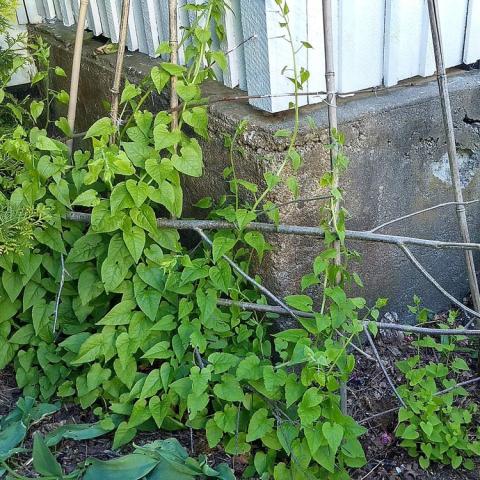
(333, 126)
(122, 41)
(75, 76)
(451, 148)
(173, 25)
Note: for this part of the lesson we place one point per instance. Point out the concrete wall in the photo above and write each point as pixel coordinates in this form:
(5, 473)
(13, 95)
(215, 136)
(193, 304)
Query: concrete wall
(395, 142)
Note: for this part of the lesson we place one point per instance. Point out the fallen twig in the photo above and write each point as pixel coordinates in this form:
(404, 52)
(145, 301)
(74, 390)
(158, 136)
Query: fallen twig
(358, 349)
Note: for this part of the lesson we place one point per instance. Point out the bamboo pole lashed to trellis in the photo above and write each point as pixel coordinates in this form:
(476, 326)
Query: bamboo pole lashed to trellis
(76, 63)
(173, 26)
(451, 148)
(122, 42)
(333, 127)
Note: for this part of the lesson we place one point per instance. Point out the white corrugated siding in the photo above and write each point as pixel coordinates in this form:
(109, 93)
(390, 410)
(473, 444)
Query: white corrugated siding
(377, 42)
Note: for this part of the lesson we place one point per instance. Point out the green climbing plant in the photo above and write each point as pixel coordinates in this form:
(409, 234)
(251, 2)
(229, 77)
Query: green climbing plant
(104, 308)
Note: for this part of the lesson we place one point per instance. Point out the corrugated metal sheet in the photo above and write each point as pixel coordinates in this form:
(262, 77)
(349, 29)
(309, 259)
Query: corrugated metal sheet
(378, 42)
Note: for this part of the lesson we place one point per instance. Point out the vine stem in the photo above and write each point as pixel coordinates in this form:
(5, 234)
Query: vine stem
(296, 127)
(382, 366)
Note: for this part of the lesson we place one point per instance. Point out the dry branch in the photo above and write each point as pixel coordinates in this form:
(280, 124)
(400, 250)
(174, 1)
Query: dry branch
(294, 230)
(59, 294)
(404, 217)
(381, 325)
(317, 232)
(382, 366)
(441, 392)
(451, 148)
(122, 41)
(173, 26)
(432, 280)
(75, 75)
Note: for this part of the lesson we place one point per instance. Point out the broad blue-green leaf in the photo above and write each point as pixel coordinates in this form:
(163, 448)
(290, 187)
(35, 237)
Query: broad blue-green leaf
(10, 437)
(77, 432)
(43, 460)
(128, 467)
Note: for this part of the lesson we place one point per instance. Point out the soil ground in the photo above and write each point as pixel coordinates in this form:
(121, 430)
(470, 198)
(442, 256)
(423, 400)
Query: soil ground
(368, 394)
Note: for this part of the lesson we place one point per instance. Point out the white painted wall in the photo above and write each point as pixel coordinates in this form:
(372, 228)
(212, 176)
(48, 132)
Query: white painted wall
(377, 42)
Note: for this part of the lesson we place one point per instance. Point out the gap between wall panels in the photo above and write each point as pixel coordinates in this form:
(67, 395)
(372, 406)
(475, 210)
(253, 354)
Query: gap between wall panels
(377, 42)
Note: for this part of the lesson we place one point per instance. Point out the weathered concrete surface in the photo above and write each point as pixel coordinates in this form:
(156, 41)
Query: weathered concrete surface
(395, 142)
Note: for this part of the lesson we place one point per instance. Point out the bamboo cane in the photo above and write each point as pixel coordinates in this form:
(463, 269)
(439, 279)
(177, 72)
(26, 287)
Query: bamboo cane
(75, 76)
(333, 125)
(122, 41)
(173, 24)
(451, 148)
